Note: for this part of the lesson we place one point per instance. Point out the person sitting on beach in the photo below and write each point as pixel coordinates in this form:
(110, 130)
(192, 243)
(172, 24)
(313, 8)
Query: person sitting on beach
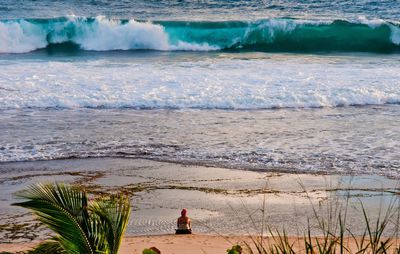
(183, 223)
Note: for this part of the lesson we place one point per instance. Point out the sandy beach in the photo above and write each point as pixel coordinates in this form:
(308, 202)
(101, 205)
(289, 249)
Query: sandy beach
(220, 201)
(165, 243)
(174, 244)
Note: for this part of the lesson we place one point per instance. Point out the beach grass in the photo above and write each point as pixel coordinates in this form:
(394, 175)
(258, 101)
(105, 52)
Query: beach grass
(333, 233)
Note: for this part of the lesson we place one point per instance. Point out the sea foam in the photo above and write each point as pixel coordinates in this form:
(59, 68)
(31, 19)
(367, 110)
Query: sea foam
(274, 82)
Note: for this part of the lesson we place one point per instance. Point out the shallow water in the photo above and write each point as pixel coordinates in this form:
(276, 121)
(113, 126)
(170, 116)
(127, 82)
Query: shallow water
(345, 140)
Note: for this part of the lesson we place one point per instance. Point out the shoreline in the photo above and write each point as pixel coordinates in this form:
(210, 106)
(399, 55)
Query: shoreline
(213, 138)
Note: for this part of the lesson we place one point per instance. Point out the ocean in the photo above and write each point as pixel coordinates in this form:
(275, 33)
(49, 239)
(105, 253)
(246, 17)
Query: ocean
(284, 86)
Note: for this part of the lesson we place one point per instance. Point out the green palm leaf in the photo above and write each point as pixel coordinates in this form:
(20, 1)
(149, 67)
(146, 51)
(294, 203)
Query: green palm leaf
(64, 210)
(113, 214)
(95, 227)
(48, 247)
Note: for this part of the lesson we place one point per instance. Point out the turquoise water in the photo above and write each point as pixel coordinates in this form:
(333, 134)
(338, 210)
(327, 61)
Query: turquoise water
(264, 35)
(266, 26)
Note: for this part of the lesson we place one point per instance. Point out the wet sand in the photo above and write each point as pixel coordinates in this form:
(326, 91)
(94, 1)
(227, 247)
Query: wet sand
(219, 200)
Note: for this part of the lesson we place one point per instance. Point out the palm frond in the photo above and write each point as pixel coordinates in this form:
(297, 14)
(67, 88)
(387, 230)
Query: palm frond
(113, 213)
(63, 209)
(48, 247)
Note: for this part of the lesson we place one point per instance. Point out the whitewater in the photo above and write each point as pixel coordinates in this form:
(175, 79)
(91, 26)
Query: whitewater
(220, 81)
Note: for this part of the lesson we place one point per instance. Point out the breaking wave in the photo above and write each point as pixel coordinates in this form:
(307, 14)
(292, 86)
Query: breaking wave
(269, 35)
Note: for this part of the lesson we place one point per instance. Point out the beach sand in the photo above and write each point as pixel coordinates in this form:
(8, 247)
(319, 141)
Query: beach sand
(184, 244)
(220, 201)
(166, 243)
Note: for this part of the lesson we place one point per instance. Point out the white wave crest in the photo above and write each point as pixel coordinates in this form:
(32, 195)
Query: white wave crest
(373, 23)
(181, 45)
(102, 34)
(105, 34)
(21, 37)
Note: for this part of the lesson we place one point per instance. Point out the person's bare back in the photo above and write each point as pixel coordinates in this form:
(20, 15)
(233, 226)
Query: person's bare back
(183, 224)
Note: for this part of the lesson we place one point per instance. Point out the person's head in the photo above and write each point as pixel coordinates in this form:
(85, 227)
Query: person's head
(183, 212)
